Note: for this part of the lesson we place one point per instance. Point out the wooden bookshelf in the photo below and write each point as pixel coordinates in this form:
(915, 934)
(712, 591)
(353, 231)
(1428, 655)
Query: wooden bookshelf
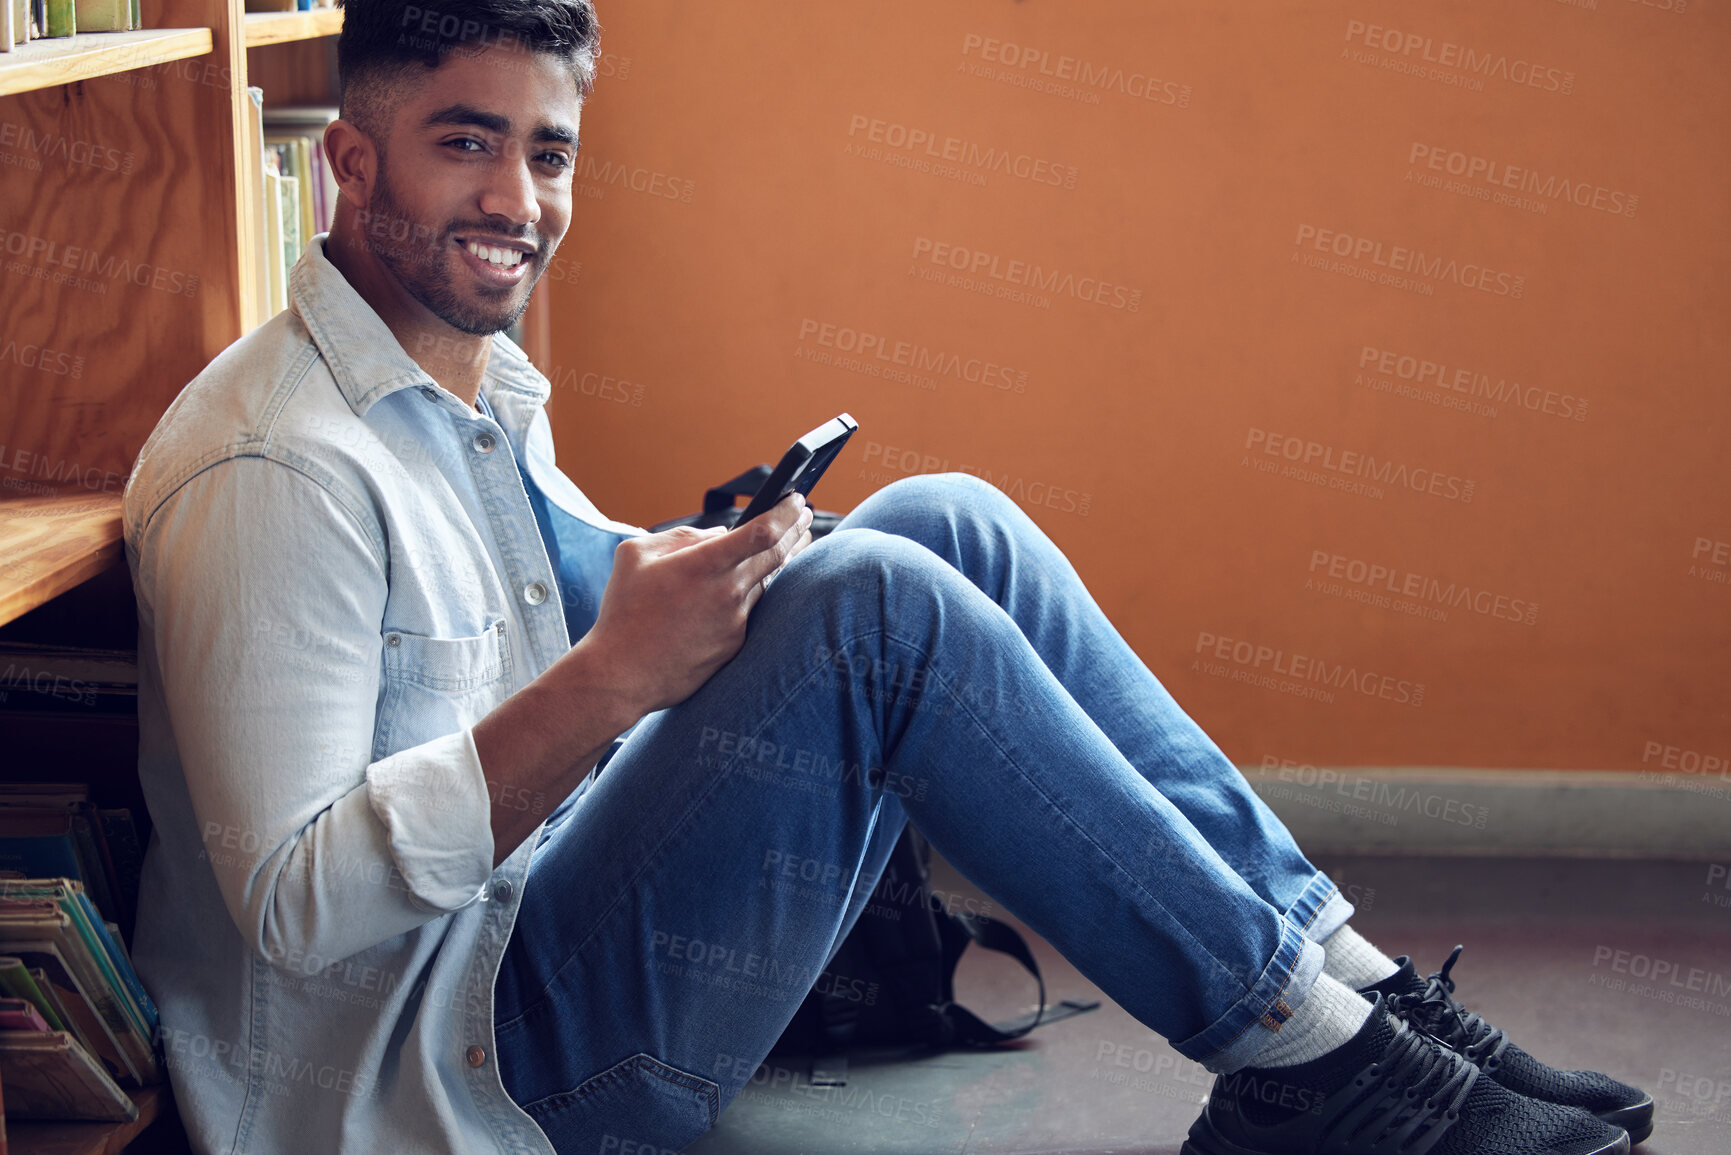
(52, 542)
(123, 183)
(27, 1137)
(63, 60)
(281, 27)
(126, 179)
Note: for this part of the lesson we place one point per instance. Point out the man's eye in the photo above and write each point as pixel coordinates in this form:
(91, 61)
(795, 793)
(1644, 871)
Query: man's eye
(556, 159)
(463, 143)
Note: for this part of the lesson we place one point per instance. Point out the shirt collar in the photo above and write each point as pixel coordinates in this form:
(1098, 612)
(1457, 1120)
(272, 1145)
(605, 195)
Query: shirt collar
(364, 355)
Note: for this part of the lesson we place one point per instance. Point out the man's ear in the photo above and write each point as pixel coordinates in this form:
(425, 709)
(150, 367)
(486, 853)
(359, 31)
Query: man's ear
(354, 161)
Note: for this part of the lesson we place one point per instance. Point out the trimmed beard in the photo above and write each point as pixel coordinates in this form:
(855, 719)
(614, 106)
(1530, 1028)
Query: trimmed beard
(422, 268)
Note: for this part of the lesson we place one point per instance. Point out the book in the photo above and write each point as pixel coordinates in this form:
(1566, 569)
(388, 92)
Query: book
(39, 842)
(18, 983)
(62, 18)
(47, 923)
(104, 15)
(81, 1019)
(49, 1076)
(111, 960)
(54, 794)
(273, 217)
(69, 679)
(254, 162)
(294, 160)
(290, 207)
(126, 853)
(21, 1015)
(306, 123)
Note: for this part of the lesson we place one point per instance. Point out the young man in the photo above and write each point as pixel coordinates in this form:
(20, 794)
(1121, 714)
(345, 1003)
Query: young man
(387, 905)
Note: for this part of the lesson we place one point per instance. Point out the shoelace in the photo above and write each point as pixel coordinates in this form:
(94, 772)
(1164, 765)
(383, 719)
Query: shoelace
(1436, 1011)
(1388, 1122)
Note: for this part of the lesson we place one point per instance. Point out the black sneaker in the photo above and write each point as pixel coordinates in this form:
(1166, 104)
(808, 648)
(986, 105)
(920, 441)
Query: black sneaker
(1390, 1090)
(1429, 1004)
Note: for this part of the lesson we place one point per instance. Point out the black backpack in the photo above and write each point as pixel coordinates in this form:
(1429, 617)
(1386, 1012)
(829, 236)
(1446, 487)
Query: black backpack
(892, 980)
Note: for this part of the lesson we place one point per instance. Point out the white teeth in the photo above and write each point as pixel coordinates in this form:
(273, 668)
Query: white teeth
(502, 258)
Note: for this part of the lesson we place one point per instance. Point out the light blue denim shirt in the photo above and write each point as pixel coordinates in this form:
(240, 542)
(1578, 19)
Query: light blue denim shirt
(340, 569)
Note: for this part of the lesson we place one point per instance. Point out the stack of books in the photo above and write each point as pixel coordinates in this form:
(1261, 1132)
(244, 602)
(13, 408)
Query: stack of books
(298, 191)
(24, 20)
(288, 5)
(75, 1023)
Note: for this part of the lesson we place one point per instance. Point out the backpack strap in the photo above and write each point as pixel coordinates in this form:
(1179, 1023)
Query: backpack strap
(967, 1028)
(722, 496)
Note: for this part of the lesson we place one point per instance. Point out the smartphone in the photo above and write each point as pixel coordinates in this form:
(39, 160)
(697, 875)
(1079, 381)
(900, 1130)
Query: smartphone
(801, 465)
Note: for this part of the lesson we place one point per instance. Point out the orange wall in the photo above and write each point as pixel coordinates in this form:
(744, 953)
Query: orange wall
(1246, 192)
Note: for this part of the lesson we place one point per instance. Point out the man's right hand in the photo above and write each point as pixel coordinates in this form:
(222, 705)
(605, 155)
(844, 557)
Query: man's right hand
(675, 608)
(673, 613)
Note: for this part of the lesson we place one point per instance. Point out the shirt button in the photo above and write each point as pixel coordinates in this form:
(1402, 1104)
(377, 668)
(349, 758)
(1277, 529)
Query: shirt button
(501, 891)
(429, 393)
(534, 593)
(393, 640)
(483, 443)
(476, 1056)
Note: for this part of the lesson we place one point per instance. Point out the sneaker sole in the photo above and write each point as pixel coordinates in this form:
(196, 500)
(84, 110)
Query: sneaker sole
(1636, 1119)
(1205, 1141)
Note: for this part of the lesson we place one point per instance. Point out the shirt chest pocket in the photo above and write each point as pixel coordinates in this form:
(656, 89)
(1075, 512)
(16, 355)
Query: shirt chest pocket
(438, 686)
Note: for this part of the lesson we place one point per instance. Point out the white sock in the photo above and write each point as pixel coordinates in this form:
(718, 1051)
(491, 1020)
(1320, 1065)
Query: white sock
(1354, 961)
(1331, 1015)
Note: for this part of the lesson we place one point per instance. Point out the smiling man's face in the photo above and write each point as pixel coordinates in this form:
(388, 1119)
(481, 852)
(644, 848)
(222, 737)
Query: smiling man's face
(473, 191)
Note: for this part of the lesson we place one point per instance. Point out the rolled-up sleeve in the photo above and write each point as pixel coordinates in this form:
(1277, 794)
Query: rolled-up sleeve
(444, 851)
(262, 591)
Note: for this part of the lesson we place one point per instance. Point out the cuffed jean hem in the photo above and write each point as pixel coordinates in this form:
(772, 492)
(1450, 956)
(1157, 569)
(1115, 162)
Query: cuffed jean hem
(1320, 910)
(1236, 1037)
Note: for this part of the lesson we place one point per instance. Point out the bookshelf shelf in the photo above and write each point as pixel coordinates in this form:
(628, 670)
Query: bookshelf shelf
(28, 1137)
(280, 27)
(46, 63)
(50, 543)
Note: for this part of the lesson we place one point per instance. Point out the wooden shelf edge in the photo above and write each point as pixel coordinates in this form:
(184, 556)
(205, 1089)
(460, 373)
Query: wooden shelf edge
(282, 27)
(62, 60)
(27, 1137)
(48, 544)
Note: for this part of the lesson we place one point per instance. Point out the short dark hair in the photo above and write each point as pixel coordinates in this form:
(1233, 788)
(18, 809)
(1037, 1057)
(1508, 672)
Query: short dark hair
(387, 40)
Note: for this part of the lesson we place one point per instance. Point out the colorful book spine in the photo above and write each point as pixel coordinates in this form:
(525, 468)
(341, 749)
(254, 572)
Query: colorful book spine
(62, 18)
(104, 15)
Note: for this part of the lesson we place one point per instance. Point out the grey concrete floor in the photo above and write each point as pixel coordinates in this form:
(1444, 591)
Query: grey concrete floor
(1617, 966)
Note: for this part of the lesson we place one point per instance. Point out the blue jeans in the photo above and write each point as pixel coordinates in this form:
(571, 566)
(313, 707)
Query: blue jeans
(937, 659)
